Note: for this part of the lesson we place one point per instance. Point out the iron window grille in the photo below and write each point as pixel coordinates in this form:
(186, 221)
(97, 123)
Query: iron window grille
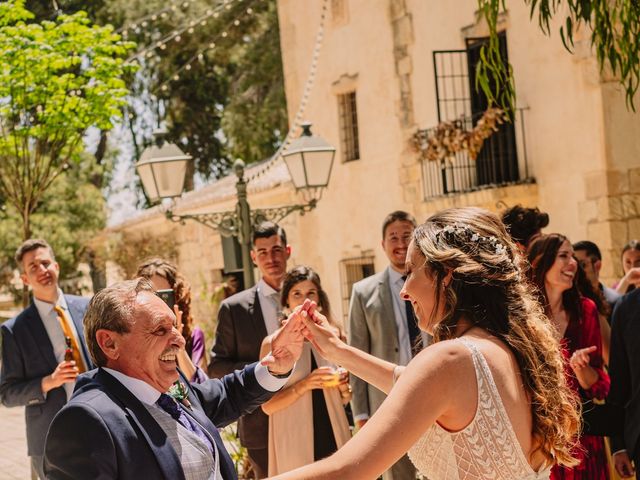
(353, 270)
(503, 157)
(348, 121)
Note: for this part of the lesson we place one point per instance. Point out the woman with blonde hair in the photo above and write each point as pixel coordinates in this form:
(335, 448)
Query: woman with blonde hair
(488, 399)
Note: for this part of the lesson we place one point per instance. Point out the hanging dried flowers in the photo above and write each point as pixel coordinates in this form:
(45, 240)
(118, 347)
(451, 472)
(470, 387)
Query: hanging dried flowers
(448, 138)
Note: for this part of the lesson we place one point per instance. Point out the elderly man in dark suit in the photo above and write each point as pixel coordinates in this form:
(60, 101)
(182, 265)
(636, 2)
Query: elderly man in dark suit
(34, 371)
(244, 319)
(624, 369)
(121, 423)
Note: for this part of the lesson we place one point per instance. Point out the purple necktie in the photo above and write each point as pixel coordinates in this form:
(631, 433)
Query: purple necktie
(169, 405)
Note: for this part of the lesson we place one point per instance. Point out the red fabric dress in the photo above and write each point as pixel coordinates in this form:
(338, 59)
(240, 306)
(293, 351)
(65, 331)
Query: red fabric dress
(581, 334)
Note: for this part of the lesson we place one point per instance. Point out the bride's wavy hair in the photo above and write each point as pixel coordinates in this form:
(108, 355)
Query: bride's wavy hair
(488, 288)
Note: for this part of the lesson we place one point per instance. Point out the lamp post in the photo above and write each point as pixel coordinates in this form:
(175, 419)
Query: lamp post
(309, 159)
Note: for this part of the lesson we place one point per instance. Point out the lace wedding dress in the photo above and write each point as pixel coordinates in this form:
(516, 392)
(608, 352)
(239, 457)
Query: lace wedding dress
(486, 449)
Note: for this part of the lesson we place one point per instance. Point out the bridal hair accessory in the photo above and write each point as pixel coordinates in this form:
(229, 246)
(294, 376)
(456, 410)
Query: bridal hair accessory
(465, 233)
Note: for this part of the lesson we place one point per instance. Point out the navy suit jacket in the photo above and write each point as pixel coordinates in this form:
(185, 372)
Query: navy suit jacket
(624, 369)
(27, 357)
(105, 432)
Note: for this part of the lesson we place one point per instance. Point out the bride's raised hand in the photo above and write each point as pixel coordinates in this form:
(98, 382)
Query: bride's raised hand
(286, 344)
(319, 332)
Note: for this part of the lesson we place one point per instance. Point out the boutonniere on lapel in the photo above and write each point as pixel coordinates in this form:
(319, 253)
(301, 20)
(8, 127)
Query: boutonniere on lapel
(180, 393)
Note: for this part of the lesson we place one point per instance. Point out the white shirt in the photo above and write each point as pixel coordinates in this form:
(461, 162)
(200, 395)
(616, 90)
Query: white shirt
(149, 395)
(400, 315)
(270, 306)
(55, 333)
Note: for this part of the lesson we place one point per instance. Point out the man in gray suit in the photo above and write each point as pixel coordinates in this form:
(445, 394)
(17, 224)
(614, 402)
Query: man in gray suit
(382, 324)
(244, 319)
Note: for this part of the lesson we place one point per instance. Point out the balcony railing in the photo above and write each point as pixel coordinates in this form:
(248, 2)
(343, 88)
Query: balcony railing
(501, 161)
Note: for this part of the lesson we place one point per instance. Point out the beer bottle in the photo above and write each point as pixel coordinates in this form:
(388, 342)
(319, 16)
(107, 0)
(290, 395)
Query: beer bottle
(68, 353)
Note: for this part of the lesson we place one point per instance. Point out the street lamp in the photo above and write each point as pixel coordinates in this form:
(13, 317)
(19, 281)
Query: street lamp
(162, 168)
(309, 159)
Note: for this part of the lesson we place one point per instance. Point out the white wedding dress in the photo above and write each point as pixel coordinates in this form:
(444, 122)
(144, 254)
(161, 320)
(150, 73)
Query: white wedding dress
(486, 449)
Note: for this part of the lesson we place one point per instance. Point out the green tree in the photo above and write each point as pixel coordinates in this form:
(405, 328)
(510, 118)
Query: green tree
(57, 79)
(71, 213)
(229, 103)
(218, 85)
(615, 36)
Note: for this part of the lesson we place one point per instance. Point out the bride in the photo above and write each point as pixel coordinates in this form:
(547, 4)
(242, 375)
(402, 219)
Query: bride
(488, 399)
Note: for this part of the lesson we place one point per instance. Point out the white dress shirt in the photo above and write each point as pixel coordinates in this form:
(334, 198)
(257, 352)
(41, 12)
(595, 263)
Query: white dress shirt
(149, 395)
(56, 335)
(270, 305)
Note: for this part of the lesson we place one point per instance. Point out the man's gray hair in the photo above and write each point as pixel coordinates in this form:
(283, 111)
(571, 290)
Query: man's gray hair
(112, 308)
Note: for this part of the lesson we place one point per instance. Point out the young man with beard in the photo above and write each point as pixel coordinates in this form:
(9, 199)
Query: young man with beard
(382, 324)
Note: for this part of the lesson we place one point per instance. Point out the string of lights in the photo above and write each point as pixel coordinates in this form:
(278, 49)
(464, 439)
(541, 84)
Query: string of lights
(176, 34)
(215, 12)
(199, 55)
(143, 21)
(311, 78)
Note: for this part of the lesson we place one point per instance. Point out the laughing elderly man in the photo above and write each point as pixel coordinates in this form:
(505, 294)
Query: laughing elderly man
(121, 423)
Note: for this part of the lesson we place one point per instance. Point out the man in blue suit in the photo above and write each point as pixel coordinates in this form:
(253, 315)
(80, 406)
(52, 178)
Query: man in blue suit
(34, 373)
(121, 423)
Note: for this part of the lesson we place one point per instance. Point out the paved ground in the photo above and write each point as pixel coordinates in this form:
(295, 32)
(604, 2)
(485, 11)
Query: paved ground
(14, 464)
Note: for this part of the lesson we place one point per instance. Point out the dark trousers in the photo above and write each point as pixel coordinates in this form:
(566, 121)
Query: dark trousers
(259, 459)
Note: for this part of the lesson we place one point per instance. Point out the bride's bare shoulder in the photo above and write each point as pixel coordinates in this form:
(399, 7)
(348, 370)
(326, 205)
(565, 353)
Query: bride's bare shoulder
(444, 357)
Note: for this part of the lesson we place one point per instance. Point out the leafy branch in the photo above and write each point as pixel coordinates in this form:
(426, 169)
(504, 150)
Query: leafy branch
(615, 36)
(57, 79)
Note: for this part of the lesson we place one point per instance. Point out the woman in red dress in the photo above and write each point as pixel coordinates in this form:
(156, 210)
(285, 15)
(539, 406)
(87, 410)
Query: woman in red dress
(553, 270)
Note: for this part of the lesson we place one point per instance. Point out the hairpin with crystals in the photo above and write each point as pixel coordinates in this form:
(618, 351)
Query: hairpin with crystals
(466, 233)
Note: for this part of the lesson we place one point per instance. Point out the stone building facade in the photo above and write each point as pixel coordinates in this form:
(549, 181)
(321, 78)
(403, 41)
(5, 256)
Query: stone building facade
(390, 68)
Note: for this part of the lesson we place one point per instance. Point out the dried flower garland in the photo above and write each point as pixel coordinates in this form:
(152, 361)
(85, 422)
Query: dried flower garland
(448, 138)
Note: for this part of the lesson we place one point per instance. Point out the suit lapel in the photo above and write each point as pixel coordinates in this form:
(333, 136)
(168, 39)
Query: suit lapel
(255, 313)
(42, 340)
(148, 427)
(77, 316)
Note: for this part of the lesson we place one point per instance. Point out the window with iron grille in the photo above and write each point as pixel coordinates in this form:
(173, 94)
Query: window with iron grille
(348, 122)
(459, 101)
(353, 270)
